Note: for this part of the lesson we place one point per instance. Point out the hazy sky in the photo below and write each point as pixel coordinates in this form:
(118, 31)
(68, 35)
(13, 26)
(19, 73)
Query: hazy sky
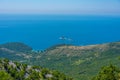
(60, 6)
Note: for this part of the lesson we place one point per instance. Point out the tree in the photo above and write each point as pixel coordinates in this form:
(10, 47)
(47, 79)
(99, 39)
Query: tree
(110, 72)
(5, 76)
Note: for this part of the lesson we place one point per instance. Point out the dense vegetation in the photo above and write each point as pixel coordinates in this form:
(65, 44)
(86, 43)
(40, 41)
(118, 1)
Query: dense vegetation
(79, 62)
(10, 70)
(110, 72)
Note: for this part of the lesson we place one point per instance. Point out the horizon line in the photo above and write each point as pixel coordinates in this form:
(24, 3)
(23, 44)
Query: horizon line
(82, 14)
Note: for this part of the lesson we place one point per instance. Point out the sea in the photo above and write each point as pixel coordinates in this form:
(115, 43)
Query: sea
(43, 31)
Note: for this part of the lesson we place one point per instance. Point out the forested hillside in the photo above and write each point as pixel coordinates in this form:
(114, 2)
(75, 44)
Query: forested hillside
(10, 70)
(79, 62)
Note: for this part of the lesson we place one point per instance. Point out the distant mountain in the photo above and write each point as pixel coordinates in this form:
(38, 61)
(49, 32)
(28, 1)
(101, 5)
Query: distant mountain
(16, 46)
(10, 70)
(14, 51)
(79, 62)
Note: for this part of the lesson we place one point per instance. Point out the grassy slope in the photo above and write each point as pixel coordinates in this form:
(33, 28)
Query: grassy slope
(80, 62)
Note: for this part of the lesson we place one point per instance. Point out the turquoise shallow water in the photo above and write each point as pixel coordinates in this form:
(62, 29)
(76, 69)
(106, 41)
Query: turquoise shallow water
(43, 31)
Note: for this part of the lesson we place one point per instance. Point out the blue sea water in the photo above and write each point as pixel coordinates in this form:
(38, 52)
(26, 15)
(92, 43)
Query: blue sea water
(43, 31)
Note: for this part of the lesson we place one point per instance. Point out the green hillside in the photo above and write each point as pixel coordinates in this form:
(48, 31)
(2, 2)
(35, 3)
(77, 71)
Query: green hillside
(16, 46)
(79, 62)
(10, 70)
(82, 63)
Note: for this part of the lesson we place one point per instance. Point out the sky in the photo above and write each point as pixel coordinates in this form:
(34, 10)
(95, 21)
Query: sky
(60, 6)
